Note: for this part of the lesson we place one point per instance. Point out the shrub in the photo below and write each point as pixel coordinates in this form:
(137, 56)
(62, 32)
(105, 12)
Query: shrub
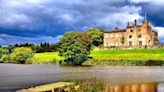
(5, 58)
(3, 51)
(4, 55)
(20, 55)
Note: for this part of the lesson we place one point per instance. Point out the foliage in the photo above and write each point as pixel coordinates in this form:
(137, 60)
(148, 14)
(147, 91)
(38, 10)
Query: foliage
(21, 54)
(43, 47)
(3, 51)
(5, 58)
(4, 55)
(74, 47)
(96, 36)
(91, 85)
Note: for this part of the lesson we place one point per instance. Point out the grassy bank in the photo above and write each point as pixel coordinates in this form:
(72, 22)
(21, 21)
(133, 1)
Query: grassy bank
(127, 57)
(112, 57)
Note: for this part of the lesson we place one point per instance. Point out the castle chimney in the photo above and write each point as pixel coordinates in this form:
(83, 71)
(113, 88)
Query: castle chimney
(116, 29)
(128, 24)
(135, 22)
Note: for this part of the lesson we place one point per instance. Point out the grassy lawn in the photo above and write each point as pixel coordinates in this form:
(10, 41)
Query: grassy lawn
(133, 54)
(110, 57)
(46, 57)
(126, 57)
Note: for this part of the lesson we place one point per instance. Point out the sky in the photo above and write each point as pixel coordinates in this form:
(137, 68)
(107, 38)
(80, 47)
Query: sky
(36, 21)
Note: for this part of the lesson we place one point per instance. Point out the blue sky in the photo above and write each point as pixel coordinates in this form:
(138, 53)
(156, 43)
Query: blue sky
(36, 21)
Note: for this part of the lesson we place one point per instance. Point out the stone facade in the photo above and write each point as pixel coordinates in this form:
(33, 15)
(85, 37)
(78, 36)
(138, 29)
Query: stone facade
(133, 36)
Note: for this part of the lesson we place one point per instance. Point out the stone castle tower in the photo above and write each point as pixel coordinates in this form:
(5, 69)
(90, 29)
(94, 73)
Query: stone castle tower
(136, 36)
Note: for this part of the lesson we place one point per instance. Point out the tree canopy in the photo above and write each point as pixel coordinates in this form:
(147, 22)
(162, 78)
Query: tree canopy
(21, 54)
(75, 47)
(96, 36)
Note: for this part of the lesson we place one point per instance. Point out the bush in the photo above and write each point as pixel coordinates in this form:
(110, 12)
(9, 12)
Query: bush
(3, 51)
(5, 58)
(21, 55)
(4, 55)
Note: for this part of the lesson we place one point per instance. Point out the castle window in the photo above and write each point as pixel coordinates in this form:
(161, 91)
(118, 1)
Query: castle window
(116, 43)
(140, 43)
(139, 30)
(106, 35)
(116, 35)
(149, 41)
(130, 43)
(106, 43)
(131, 30)
(111, 35)
(130, 36)
(139, 36)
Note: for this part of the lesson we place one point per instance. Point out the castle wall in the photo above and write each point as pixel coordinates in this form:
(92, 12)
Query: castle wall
(134, 36)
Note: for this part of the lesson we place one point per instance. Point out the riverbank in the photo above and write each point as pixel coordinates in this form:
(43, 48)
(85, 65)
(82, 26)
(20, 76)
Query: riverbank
(112, 57)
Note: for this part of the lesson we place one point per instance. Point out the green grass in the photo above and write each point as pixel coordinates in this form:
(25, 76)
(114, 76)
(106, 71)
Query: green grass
(111, 57)
(46, 57)
(126, 57)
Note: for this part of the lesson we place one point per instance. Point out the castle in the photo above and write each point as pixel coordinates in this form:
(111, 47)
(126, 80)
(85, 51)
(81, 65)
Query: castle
(134, 36)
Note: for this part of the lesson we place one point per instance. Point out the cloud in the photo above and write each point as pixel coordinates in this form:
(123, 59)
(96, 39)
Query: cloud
(160, 31)
(10, 39)
(15, 19)
(32, 20)
(126, 14)
(158, 2)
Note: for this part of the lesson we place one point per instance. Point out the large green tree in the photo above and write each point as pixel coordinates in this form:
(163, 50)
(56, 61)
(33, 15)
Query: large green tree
(3, 51)
(21, 54)
(96, 36)
(4, 55)
(74, 47)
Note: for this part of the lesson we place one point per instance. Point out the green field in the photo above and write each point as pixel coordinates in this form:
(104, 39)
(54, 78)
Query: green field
(46, 57)
(126, 57)
(111, 57)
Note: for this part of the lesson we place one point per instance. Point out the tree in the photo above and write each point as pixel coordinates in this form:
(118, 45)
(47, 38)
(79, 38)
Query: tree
(96, 36)
(4, 55)
(21, 54)
(74, 47)
(3, 51)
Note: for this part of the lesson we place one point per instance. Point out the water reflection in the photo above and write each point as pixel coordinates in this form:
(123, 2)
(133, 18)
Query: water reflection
(142, 87)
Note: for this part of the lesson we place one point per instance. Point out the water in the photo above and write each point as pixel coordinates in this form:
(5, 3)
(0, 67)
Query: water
(15, 76)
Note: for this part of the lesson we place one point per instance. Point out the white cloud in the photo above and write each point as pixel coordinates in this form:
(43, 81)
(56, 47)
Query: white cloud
(59, 16)
(120, 19)
(139, 1)
(160, 31)
(16, 18)
(158, 2)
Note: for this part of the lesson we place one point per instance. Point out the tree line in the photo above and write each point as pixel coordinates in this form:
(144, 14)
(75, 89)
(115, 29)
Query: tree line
(73, 46)
(42, 47)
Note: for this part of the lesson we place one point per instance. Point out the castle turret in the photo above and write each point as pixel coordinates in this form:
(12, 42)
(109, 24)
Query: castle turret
(135, 22)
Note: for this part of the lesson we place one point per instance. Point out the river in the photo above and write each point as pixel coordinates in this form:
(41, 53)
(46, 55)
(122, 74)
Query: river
(16, 76)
